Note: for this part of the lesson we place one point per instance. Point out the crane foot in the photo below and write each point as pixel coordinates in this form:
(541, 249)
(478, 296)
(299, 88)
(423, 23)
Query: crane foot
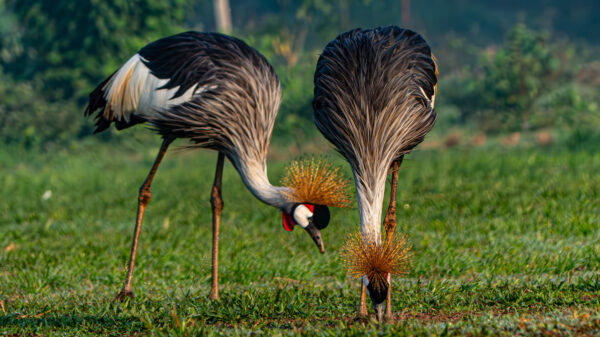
(214, 295)
(389, 317)
(361, 313)
(123, 295)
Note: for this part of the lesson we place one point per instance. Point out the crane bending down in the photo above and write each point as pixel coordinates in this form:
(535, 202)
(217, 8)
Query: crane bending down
(374, 98)
(219, 93)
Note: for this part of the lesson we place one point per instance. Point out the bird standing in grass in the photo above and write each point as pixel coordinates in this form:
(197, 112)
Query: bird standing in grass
(220, 94)
(374, 98)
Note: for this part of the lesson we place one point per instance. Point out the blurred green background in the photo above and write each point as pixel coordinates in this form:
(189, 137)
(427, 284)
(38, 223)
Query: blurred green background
(505, 67)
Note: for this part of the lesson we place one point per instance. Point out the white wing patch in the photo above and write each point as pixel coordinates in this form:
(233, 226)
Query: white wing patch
(133, 89)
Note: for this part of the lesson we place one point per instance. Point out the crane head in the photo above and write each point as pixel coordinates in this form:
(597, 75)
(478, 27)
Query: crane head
(374, 260)
(312, 218)
(378, 291)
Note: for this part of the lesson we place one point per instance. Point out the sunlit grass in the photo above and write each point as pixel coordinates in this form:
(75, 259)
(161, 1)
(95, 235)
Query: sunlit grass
(504, 241)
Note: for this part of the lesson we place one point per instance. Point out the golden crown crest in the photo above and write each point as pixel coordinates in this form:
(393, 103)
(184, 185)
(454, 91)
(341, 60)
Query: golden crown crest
(318, 182)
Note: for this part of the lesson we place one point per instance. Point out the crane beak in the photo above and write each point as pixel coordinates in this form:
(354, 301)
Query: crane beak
(315, 234)
(379, 309)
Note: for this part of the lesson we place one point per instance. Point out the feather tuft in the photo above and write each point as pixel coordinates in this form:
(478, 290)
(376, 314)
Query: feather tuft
(318, 182)
(368, 256)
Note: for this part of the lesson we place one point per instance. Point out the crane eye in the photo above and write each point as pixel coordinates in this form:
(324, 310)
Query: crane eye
(321, 216)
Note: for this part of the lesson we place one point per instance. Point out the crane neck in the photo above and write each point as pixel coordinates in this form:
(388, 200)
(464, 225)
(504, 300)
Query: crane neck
(254, 174)
(370, 191)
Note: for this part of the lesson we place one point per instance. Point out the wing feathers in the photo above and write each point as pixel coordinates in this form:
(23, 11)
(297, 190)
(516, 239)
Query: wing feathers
(135, 90)
(115, 89)
(210, 88)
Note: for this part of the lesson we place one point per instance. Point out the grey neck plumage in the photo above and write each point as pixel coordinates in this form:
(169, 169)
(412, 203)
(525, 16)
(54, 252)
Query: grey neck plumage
(254, 174)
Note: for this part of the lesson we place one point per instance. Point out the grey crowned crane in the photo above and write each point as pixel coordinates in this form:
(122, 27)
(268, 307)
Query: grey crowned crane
(221, 94)
(374, 98)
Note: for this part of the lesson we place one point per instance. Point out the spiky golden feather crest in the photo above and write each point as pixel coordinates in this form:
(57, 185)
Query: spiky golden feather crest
(318, 182)
(367, 256)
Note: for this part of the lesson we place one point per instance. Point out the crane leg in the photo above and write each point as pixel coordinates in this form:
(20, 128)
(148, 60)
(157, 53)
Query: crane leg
(389, 224)
(217, 205)
(361, 312)
(143, 200)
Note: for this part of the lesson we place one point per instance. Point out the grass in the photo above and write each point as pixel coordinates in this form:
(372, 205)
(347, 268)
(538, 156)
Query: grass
(505, 242)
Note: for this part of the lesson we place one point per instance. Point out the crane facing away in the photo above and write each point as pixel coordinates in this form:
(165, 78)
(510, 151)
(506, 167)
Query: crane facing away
(374, 98)
(220, 94)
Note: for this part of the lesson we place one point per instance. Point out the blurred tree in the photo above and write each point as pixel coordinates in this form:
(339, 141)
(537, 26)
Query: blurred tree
(406, 13)
(517, 75)
(27, 120)
(10, 37)
(68, 46)
(222, 15)
(501, 93)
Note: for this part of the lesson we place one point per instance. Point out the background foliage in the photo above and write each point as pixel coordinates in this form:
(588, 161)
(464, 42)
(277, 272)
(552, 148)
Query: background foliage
(505, 66)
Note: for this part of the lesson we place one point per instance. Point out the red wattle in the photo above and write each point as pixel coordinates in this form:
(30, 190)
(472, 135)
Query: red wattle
(288, 222)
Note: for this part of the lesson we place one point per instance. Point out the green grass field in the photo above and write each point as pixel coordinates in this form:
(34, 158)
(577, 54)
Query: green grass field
(506, 241)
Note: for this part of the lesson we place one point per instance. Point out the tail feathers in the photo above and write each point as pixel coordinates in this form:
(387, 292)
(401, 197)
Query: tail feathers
(98, 103)
(97, 100)
(104, 118)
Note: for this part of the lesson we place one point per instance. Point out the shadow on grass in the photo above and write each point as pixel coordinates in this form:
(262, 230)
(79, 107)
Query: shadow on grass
(90, 323)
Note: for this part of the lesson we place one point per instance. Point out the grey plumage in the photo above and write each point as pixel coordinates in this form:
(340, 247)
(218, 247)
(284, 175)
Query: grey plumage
(233, 94)
(234, 108)
(373, 99)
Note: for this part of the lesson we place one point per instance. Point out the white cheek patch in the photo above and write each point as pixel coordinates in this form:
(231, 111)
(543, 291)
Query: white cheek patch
(301, 215)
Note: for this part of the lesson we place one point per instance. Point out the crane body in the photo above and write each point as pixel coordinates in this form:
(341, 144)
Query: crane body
(374, 100)
(220, 94)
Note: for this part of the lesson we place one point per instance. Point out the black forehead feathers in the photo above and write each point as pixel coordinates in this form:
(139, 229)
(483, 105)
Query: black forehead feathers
(321, 216)
(378, 294)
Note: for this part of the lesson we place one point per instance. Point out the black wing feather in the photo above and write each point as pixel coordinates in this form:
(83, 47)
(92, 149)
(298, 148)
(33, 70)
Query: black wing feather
(186, 59)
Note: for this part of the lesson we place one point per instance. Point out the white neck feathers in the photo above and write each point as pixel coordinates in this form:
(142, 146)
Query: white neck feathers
(370, 193)
(254, 175)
